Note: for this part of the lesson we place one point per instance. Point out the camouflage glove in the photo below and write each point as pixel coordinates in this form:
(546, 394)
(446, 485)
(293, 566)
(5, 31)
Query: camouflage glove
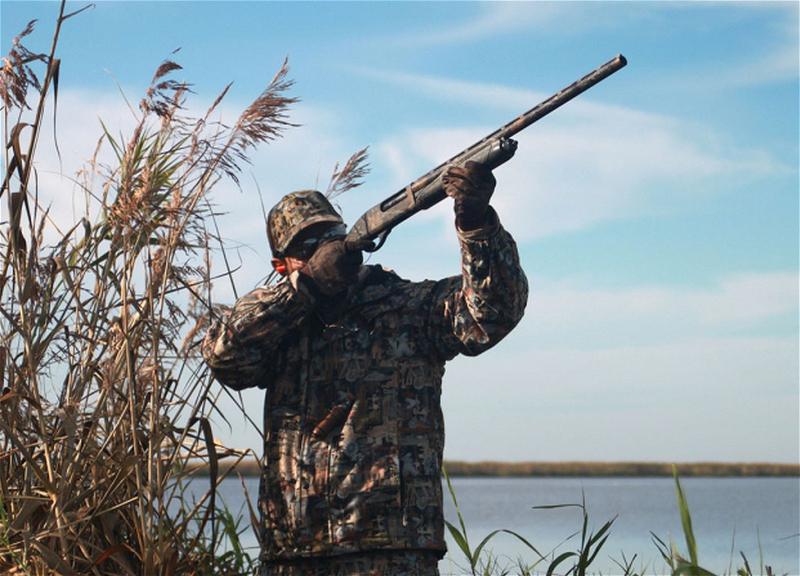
(334, 266)
(471, 187)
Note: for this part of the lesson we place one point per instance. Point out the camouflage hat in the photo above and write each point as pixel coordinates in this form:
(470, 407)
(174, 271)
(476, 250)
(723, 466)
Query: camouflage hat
(294, 213)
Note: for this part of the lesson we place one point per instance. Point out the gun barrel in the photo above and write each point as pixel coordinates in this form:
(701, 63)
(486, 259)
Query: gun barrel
(576, 88)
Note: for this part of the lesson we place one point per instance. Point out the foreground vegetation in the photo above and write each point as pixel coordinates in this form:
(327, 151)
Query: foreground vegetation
(105, 402)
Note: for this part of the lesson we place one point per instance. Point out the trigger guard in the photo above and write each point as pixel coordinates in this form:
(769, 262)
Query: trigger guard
(381, 240)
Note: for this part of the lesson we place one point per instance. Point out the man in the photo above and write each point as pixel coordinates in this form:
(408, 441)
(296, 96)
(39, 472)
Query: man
(352, 359)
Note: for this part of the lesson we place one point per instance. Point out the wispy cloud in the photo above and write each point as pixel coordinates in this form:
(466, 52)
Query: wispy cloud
(777, 61)
(480, 21)
(441, 88)
(565, 311)
(629, 402)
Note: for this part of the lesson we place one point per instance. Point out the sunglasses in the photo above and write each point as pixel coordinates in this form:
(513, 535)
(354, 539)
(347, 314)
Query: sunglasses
(304, 249)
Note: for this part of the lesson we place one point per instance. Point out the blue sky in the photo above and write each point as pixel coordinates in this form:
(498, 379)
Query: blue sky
(657, 214)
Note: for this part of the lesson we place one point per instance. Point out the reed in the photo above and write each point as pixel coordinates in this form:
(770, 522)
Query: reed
(481, 561)
(106, 405)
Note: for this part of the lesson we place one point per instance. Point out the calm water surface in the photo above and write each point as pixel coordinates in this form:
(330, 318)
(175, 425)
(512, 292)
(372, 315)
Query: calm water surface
(727, 514)
(759, 517)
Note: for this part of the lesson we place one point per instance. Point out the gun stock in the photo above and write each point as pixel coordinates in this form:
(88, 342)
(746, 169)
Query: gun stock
(492, 151)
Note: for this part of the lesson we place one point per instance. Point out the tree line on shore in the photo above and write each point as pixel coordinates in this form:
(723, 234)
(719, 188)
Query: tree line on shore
(534, 469)
(455, 469)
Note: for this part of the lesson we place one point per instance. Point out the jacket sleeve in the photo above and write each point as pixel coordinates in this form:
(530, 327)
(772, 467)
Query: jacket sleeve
(478, 309)
(241, 347)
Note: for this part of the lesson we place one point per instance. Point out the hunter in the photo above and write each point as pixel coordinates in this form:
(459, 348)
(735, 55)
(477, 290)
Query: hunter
(352, 357)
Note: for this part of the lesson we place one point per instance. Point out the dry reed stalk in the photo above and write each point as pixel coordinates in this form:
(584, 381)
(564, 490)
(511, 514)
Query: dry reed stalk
(350, 176)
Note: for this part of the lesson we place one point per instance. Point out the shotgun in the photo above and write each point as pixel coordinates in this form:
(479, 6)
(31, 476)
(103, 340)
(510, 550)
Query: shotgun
(492, 151)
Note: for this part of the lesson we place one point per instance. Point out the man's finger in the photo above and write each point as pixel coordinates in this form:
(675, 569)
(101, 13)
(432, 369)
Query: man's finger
(363, 245)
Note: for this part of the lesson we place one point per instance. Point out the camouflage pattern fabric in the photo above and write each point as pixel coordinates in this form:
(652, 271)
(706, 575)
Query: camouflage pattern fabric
(407, 563)
(354, 432)
(295, 213)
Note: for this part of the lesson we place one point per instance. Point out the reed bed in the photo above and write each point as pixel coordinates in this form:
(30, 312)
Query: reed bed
(106, 405)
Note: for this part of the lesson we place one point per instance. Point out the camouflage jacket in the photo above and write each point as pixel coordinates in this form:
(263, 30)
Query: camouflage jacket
(353, 426)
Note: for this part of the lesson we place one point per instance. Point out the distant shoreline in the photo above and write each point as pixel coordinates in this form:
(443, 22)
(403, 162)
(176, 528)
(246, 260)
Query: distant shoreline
(615, 469)
(458, 469)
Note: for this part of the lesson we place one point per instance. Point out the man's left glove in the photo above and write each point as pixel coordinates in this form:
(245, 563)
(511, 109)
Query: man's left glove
(471, 187)
(334, 266)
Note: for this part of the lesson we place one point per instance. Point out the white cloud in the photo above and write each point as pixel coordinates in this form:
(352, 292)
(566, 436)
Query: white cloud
(567, 312)
(486, 20)
(779, 61)
(460, 91)
(778, 64)
(635, 374)
(680, 402)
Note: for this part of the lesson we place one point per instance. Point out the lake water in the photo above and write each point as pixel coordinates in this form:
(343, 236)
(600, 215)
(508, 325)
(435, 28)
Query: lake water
(759, 517)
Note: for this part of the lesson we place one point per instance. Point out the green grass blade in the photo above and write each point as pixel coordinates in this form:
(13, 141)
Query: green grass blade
(455, 502)
(686, 519)
(460, 540)
(566, 555)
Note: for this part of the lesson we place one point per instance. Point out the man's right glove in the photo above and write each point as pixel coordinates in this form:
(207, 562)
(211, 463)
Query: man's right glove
(471, 187)
(334, 266)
